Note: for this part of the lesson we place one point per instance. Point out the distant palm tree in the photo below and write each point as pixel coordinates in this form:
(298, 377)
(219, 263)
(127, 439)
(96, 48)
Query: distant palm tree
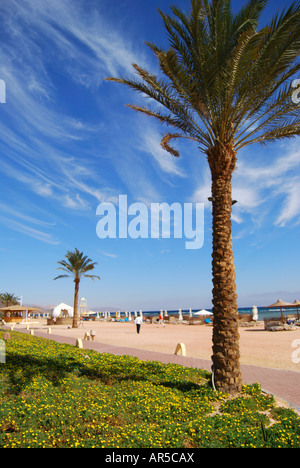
(8, 299)
(77, 266)
(226, 84)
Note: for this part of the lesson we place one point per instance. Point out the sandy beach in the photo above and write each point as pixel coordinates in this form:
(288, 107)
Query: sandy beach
(257, 346)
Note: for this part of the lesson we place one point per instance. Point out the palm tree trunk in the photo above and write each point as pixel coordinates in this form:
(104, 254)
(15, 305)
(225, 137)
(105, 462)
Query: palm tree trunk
(75, 309)
(226, 366)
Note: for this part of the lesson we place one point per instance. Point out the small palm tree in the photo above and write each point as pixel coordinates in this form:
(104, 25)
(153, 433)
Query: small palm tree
(225, 84)
(77, 265)
(8, 299)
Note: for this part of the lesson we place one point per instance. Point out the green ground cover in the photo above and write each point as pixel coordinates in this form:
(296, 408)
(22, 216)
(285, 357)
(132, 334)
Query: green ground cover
(56, 395)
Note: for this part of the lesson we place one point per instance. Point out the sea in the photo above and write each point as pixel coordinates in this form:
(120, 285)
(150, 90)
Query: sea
(262, 312)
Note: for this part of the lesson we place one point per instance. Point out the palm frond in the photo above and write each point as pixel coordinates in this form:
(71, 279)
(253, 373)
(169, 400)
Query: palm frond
(248, 16)
(223, 80)
(278, 111)
(274, 63)
(61, 276)
(290, 129)
(92, 277)
(165, 143)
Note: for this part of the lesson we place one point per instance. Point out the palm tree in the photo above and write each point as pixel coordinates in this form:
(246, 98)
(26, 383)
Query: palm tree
(8, 299)
(225, 84)
(77, 266)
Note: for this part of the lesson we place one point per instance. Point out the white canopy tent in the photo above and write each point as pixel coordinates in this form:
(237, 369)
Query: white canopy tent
(62, 309)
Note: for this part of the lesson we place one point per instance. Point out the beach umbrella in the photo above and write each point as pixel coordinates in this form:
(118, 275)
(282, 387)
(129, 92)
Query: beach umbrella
(90, 312)
(296, 303)
(281, 304)
(203, 312)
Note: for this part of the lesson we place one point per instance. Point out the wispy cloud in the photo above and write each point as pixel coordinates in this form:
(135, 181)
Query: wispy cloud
(290, 190)
(261, 186)
(29, 231)
(107, 254)
(203, 190)
(15, 218)
(41, 139)
(255, 186)
(44, 144)
(72, 32)
(19, 214)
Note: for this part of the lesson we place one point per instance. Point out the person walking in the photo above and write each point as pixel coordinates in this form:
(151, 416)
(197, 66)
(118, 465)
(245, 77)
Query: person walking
(81, 322)
(160, 320)
(138, 321)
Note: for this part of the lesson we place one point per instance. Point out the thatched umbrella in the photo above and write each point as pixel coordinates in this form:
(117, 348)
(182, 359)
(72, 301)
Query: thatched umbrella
(296, 303)
(280, 304)
(12, 312)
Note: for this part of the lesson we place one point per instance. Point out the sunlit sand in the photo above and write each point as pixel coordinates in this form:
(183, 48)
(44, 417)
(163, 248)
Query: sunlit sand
(257, 346)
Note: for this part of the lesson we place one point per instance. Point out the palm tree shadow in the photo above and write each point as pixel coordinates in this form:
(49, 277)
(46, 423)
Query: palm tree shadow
(21, 370)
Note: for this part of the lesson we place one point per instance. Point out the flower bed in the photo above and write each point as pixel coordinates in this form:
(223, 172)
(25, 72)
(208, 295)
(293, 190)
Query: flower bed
(56, 395)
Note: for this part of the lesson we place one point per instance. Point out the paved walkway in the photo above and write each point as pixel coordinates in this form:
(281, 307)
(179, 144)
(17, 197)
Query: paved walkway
(281, 383)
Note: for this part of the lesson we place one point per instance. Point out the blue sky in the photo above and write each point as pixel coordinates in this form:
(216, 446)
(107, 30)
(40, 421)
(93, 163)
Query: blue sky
(68, 143)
